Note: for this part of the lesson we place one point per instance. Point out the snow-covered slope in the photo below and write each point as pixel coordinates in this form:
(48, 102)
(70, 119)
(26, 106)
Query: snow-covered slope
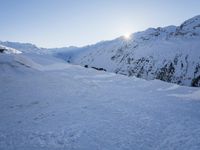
(23, 47)
(8, 50)
(46, 104)
(170, 54)
(29, 48)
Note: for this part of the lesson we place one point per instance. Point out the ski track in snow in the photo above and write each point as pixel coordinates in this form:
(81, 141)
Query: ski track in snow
(61, 106)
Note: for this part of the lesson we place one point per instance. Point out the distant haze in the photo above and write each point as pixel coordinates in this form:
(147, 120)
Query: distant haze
(59, 23)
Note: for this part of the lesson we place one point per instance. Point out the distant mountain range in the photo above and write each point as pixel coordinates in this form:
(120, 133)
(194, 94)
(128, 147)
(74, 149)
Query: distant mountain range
(170, 54)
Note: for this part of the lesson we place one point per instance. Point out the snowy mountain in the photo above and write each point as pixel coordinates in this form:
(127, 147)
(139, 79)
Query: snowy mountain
(170, 54)
(23, 47)
(8, 50)
(48, 104)
(64, 53)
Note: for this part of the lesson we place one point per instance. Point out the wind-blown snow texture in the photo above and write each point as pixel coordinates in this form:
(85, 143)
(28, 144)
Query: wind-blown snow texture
(46, 104)
(170, 54)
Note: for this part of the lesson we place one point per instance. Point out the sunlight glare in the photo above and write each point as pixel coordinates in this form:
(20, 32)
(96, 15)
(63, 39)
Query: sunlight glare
(127, 36)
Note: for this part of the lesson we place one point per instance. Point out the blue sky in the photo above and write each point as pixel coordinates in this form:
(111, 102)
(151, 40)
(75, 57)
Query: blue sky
(58, 23)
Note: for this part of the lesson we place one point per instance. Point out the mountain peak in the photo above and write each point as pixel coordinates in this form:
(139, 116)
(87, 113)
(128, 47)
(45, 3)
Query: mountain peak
(195, 19)
(192, 24)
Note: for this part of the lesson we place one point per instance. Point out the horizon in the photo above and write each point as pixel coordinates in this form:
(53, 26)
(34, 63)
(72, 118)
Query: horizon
(91, 21)
(126, 36)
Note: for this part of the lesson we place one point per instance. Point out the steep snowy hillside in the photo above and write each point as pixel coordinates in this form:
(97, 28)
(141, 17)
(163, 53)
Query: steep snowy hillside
(47, 104)
(170, 54)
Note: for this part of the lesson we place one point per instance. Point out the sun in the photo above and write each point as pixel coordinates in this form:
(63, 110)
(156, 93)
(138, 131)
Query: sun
(127, 36)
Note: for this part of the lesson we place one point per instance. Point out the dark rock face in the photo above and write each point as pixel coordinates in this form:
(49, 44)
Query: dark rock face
(96, 68)
(166, 73)
(175, 70)
(100, 69)
(2, 50)
(196, 82)
(196, 79)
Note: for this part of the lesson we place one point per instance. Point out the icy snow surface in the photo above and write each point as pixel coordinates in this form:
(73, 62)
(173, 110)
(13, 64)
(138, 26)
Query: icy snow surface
(46, 104)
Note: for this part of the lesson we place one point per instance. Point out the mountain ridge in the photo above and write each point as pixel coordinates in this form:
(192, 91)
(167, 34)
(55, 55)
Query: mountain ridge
(169, 53)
